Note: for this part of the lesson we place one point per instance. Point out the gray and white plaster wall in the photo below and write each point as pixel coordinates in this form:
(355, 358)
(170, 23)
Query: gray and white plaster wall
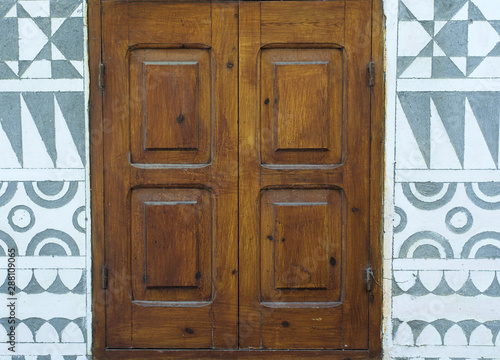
(442, 200)
(43, 178)
(444, 257)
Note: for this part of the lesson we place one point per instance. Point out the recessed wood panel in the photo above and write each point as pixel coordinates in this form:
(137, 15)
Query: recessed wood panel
(301, 245)
(301, 97)
(170, 106)
(302, 106)
(172, 245)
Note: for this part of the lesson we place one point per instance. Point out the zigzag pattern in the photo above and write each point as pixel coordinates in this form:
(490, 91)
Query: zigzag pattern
(448, 130)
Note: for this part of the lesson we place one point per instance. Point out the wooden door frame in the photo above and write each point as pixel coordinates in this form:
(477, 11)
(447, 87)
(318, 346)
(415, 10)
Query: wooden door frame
(98, 127)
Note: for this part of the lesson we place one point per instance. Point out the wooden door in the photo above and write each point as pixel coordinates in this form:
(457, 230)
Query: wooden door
(237, 178)
(171, 174)
(304, 171)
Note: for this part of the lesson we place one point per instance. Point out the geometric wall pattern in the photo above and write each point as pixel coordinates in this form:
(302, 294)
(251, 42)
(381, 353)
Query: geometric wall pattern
(43, 189)
(448, 130)
(42, 105)
(455, 39)
(446, 238)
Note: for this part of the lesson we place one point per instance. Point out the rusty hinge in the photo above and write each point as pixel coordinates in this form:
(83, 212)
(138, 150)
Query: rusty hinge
(369, 279)
(104, 277)
(101, 77)
(371, 74)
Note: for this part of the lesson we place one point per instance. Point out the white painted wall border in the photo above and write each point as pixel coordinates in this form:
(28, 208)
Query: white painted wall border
(391, 41)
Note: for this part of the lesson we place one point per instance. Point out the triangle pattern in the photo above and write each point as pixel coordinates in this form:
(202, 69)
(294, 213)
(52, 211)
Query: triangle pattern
(37, 70)
(495, 51)
(422, 9)
(495, 25)
(78, 11)
(446, 9)
(41, 107)
(72, 106)
(36, 8)
(420, 68)
(452, 119)
(485, 107)
(12, 13)
(31, 39)
(443, 67)
(474, 13)
(56, 54)
(443, 155)
(489, 8)
(462, 14)
(45, 53)
(437, 51)
(404, 13)
(34, 152)
(450, 38)
(428, 50)
(416, 107)
(438, 25)
(21, 13)
(58, 11)
(472, 63)
(403, 63)
(10, 118)
(67, 154)
(43, 24)
(14, 66)
(428, 26)
(6, 71)
(9, 158)
(478, 155)
(461, 63)
(56, 24)
(408, 154)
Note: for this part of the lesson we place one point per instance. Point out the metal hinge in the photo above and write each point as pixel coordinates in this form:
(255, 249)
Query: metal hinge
(104, 277)
(371, 74)
(101, 77)
(369, 277)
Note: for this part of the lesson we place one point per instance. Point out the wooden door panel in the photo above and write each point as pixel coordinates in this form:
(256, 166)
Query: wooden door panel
(172, 245)
(171, 174)
(236, 175)
(301, 106)
(301, 328)
(301, 246)
(180, 328)
(168, 23)
(170, 104)
(302, 22)
(304, 165)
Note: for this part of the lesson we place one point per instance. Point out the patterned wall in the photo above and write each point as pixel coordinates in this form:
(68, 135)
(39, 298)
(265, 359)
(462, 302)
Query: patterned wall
(43, 188)
(446, 245)
(446, 242)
